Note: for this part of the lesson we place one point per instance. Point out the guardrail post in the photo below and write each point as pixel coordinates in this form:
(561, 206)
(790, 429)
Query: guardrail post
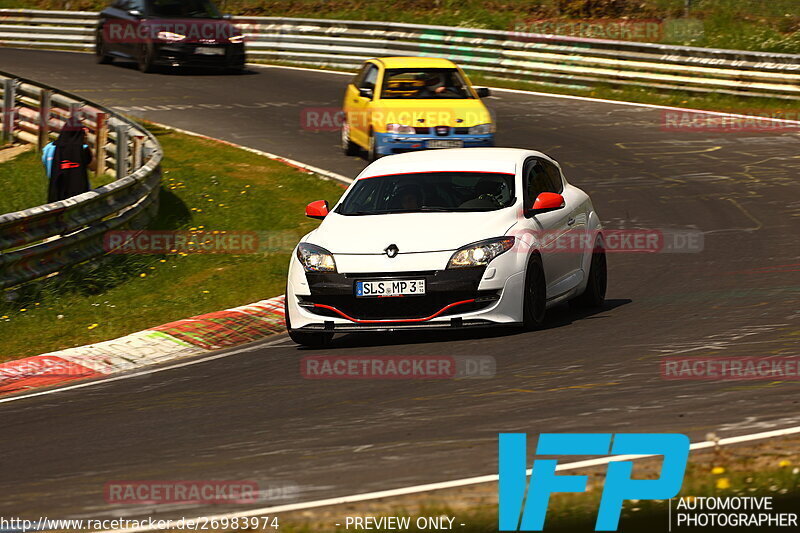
(101, 139)
(9, 109)
(76, 110)
(122, 151)
(44, 118)
(138, 152)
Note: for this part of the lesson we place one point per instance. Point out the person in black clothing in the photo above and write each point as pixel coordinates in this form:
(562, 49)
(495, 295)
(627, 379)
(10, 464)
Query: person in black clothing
(71, 158)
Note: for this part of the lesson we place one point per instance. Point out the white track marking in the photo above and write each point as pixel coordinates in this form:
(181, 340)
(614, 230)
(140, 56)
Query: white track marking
(636, 104)
(307, 69)
(144, 372)
(275, 157)
(460, 482)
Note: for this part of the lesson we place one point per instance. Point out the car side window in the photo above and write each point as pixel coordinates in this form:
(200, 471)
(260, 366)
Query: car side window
(360, 75)
(537, 180)
(555, 184)
(370, 78)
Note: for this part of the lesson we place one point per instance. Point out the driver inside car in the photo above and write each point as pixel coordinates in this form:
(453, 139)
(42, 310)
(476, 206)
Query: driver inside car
(488, 193)
(436, 85)
(410, 197)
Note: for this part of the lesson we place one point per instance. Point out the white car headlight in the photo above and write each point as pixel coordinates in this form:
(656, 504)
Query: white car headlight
(315, 258)
(399, 128)
(170, 36)
(481, 129)
(480, 253)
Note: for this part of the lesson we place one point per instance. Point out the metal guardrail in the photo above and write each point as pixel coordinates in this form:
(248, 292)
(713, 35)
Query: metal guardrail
(46, 239)
(502, 54)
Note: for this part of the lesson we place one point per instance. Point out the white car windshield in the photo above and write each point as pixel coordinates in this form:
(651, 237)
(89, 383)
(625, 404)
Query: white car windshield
(429, 191)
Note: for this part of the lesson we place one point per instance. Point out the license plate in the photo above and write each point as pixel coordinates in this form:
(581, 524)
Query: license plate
(209, 51)
(445, 143)
(395, 287)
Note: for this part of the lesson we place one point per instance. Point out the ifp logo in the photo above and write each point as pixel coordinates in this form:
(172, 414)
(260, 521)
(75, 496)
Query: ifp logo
(520, 513)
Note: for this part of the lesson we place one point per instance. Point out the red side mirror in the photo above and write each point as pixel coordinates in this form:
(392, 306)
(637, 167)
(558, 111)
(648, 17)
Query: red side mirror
(318, 209)
(548, 201)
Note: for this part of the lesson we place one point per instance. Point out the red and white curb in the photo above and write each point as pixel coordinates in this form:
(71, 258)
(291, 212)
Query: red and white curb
(176, 340)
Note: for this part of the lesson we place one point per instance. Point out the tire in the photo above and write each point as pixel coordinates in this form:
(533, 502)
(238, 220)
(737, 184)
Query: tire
(310, 339)
(146, 59)
(348, 146)
(595, 294)
(100, 53)
(534, 302)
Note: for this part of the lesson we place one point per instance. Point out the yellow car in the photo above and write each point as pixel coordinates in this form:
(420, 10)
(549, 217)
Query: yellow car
(401, 104)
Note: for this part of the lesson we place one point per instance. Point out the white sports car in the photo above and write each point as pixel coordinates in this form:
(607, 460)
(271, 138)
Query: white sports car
(446, 239)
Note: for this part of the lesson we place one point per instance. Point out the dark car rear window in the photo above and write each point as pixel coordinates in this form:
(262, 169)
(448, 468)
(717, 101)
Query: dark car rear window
(185, 9)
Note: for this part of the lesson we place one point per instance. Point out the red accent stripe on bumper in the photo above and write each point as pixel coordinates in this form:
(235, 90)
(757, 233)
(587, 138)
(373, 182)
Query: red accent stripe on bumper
(360, 321)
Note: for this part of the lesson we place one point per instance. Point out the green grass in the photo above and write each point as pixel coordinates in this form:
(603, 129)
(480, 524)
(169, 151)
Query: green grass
(207, 185)
(24, 183)
(771, 26)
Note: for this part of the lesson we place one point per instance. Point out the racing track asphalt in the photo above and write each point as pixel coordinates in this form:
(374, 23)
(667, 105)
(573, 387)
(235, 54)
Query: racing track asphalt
(251, 416)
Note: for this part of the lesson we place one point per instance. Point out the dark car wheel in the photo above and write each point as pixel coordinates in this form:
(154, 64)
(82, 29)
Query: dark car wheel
(146, 58)
(534, 302)
(101, 53)
(348, 146)
(310, 339)
(595, 293)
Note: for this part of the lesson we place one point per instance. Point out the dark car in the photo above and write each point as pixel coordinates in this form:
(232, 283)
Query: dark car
(155, 33)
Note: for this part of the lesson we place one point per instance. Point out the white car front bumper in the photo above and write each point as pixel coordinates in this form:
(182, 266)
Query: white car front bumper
(457, 298)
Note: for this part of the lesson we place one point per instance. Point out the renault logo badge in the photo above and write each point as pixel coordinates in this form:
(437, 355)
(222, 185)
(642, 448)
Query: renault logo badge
(391, 250)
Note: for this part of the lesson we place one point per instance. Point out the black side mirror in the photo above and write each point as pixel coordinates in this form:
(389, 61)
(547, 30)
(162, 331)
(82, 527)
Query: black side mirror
(483, 92)
(365, 92)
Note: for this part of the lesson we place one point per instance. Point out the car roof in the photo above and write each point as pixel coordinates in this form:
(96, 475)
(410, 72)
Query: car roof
(505, 160)
(416, 62)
